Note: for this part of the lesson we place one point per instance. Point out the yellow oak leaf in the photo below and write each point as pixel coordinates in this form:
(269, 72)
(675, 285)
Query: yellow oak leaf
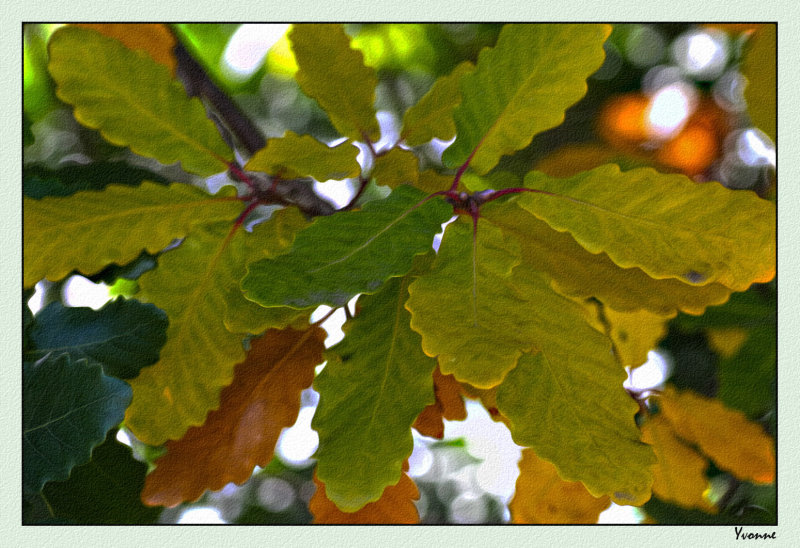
(679, 475)
(725, 435)
(543, 497)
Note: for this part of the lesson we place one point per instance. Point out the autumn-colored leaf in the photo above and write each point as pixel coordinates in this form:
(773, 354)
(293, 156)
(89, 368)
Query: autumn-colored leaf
(725, 435)
(301, 155)
(541, 496)
(449, 405)
(376, 382)
(92, 229)
(263, 398)
(396, 506)
(335, 75)
(195, 284)
(574, 272)
(679, 475)
(155, 39)
(667, 225)
(134, 101)
(521, 87)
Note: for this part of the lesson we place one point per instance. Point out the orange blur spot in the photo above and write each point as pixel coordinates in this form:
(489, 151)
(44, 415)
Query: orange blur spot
(623, 118)
(692, 151)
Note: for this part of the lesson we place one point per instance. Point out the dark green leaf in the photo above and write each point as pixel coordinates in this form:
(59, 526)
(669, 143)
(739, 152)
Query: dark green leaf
(746, 379)
(668, 514)
(123, 336)
(38, 181)
(67, 409)
(753, 308)
(348, 253)
(105, 490)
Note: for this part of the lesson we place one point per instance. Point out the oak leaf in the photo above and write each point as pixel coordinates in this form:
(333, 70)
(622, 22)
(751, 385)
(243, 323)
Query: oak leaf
(679, 475)
(541, 496)
(725, 435)
(263, 398)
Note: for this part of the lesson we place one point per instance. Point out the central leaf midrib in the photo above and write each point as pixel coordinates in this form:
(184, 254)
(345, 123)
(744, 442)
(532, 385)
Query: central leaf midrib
(120, 215)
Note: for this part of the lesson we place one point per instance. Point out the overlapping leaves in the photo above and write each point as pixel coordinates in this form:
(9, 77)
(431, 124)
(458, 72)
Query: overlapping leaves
(263, 398)
(194, 285)
(348, 253)
(541, 496)
(396, 506)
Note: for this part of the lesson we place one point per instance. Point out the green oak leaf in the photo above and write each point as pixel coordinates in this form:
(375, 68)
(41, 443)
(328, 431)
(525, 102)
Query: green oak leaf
(667, 225)
(349, 252)
(335, 75)
(576, 414)
(91, 229)
(574, 272)
(123, 336)
(104, 491)
(376, 382)
(432, 116)
(295, 155)
(522, 87)
(134, 101)
(466, 309)
(67, 409)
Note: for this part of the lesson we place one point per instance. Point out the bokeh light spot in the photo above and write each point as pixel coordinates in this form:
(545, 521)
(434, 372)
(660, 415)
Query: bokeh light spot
(669, 109)
(298, 443)
(201, 515)
(651, 374)
(248, 47)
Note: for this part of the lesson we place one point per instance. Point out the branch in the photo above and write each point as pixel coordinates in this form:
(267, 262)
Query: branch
(199, 84)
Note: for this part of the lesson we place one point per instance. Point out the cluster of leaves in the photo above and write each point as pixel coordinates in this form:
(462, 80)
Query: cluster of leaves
(542, 291)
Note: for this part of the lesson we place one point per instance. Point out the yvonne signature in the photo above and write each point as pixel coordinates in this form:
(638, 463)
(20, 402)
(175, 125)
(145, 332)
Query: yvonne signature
(741, 535)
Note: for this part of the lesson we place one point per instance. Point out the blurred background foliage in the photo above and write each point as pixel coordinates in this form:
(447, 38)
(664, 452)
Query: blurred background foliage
(687, 98)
